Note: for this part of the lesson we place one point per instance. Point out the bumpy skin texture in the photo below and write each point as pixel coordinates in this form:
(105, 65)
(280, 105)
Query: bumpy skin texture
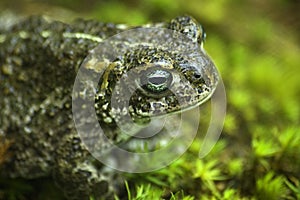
(39, 60)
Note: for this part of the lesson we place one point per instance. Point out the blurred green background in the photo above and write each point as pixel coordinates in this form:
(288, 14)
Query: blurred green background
(255, 45)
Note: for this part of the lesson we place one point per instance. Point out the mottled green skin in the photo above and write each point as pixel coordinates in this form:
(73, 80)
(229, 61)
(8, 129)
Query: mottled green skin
(38, 66)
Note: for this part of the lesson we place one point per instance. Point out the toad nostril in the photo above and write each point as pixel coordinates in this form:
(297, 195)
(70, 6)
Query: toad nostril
(197, 76)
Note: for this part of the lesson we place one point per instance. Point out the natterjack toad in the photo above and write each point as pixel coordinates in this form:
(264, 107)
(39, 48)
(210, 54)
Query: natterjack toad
(39, 61)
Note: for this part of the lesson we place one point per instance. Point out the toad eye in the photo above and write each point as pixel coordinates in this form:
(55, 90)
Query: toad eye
(156, 81)
(202, 36)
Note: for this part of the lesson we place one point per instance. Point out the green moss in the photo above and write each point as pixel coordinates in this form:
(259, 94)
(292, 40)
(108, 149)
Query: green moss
(270, 187)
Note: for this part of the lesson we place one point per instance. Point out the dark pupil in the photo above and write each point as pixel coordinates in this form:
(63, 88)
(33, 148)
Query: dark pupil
(156, 80)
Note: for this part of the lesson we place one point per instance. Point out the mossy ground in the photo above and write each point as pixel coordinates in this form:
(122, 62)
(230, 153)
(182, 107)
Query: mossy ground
(255, 45)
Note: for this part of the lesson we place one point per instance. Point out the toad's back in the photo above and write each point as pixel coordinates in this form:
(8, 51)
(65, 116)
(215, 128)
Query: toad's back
(39, 60)
(38, 68)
